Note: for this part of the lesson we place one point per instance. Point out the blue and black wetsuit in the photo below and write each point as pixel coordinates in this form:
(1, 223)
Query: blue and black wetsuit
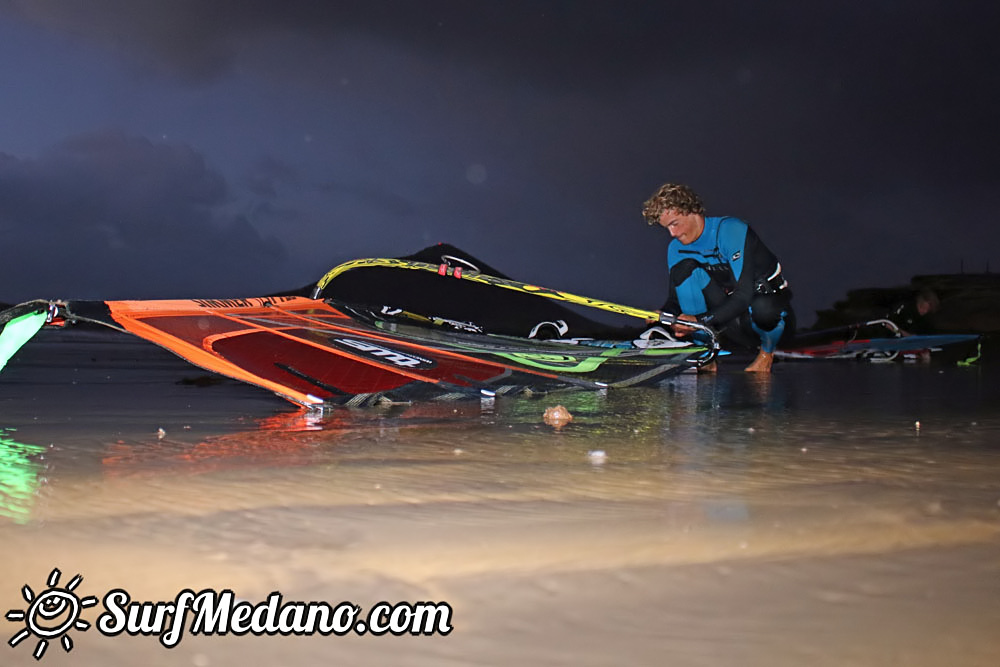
(729, 280)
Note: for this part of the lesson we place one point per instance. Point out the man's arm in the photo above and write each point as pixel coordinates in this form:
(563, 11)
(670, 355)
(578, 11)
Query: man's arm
(747, 261)
(672, 305)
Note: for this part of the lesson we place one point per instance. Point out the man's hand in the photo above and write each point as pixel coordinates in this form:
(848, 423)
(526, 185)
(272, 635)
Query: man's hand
(679, 329)
(682, 331)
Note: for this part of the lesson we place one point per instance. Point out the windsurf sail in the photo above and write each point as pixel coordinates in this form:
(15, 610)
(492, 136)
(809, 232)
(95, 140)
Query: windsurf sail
(313, 352)
(866, 347)
(856, 342)
(402, 329)
(19, 324)
(475, 293)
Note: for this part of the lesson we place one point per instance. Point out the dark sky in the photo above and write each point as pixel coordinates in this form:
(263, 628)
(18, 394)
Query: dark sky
(185, 148)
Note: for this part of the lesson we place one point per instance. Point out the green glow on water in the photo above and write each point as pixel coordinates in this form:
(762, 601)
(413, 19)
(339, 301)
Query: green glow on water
(19, 474)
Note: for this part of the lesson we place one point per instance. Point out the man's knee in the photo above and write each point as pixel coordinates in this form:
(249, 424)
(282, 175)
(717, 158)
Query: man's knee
(768, 311)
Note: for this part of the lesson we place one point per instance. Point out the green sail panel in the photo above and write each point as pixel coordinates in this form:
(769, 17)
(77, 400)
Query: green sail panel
(17, 332)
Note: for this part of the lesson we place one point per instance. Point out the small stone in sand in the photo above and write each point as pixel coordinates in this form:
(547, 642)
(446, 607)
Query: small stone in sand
(557, 416)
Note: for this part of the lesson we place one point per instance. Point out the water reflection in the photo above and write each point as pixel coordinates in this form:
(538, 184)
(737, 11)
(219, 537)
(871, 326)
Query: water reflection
(20, 476)
(815, 505)
(286, 439)
(712, 444)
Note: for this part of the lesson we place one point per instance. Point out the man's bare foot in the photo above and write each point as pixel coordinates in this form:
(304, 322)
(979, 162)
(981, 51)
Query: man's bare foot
(710, 367)
(762, 364)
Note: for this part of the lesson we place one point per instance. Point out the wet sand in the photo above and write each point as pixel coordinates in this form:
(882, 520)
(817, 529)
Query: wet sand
(805, 519)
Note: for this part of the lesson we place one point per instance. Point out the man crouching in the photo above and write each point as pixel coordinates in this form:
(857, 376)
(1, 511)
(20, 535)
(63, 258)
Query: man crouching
(722, 275)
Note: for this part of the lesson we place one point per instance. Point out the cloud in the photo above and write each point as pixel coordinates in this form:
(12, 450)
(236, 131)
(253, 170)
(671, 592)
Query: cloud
(552, 40)
(562, 43)
(200, 41)
(268, 175)
(105, 215)
(531, 132)
(904, 86)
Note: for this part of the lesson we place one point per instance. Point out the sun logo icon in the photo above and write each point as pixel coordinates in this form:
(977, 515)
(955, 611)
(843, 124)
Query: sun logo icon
(51, 614)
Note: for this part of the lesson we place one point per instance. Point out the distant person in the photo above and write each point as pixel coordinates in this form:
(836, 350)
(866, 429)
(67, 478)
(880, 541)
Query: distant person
(721, 275)
(912, 315)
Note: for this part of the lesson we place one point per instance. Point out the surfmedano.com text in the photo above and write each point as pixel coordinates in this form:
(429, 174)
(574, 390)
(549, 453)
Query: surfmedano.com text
(221, 613)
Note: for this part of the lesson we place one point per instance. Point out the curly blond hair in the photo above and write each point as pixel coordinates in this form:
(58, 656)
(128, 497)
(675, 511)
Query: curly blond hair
(674, 196)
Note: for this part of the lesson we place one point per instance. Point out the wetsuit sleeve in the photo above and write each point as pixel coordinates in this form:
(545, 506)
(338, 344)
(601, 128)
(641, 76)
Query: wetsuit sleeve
(672, 305)
(748, 262)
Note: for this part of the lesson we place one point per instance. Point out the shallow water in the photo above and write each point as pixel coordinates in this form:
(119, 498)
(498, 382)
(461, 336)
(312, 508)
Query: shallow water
(830, 514)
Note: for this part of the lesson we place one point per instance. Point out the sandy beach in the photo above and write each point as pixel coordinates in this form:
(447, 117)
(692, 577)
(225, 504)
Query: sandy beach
(832, 515)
